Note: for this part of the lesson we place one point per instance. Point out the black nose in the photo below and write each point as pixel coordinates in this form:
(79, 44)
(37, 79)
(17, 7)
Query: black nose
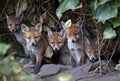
(33, 44)
(93, 60)
(73, 41)
(13, 30)
(56, 49)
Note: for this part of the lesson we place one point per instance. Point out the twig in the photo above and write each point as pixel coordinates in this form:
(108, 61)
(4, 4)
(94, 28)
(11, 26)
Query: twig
(4, 8)
(111, 55)
(50, 14)
(46, 2)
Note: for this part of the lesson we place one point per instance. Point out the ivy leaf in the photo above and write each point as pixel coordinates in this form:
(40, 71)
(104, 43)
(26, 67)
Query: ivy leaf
(117, 67)
(109, 33)
(116, 22)
(3, 48)
(117, 4)
(60, 1)
(66, 5)
(105, 11)
(100, 2)
(5, 70)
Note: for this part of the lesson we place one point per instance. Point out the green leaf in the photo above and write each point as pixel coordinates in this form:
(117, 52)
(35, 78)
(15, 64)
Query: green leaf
(66, 5)
(117, 67)
(64, 77)
(60, 1)
(5, 70)
(3, 48)
(105, 12)
(68, 23)
(116, 22)
(101, 2)
(109, 33)
(117, 4)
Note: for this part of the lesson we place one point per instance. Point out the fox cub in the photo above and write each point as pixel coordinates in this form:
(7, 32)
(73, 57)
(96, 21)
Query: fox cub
(35, 43)
(13, 24)
(91, 50)
(57, 41)
(75, 42)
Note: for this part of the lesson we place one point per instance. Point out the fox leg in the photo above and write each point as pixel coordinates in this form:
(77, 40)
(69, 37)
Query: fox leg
(72, 59)
(38, 63)
(32, 57)
(27, 55)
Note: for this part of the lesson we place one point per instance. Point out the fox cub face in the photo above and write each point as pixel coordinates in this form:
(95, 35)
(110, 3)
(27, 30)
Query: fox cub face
(91, 51)
(73, 32)
(56, 39)
(32, 35)
(13, 23)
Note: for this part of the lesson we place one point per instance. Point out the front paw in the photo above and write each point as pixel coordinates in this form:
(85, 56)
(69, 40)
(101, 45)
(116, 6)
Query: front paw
(37, 69)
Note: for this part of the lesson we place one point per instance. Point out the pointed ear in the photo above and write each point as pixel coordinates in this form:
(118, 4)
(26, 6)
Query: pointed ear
(87, 41)
(80, 24)
(63, 25)
(49, 32)
(21, 17)
(7, 16)
(24, 28)
(62, 33)
(39, 27)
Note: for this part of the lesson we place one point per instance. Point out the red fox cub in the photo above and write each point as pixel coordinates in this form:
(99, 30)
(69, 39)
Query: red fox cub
(75, 42)
(13, 24)
(35, 43)
(91, 51)
(58, 42)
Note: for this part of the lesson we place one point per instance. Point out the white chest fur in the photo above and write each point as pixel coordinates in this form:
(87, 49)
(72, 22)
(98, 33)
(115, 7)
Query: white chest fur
(76, 48)
(34, 49)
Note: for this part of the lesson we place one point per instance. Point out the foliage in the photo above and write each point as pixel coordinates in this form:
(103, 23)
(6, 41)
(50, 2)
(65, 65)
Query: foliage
(117, 67)
(102, 10)
(116, 22)
(109, 33)
(66, 5)
(64, 77)
(3, 48)
(10, 69)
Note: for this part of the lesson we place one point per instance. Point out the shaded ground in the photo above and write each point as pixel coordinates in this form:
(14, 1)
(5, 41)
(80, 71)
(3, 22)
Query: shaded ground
(49, 72)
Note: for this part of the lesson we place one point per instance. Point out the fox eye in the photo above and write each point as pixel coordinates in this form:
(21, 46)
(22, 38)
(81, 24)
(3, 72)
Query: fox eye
(36, 37)
(76, 33)
(52, 42)
(28, 37)
(88, 51)
(17, 24)
(10, 24)
(96, 51)
(59, 42)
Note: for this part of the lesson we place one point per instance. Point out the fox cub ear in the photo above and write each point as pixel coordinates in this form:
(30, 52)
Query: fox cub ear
(39, 27)
(80, 23)
(62, 33)
(49, 32)
(7, 16)
(63, 25)
(24, 28)
(87, 41)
